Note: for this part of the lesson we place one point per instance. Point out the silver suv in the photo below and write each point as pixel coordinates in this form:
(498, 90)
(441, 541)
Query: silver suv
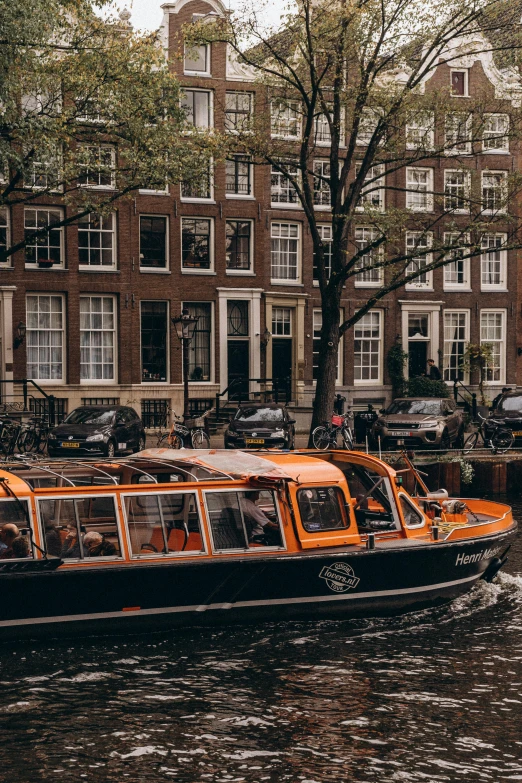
(415, 422)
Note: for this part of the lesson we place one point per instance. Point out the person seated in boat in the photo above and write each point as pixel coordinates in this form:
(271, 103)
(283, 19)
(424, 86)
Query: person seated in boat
(53, 542)
(97, 546)
(20, 547)
(261, 529)
(71, 544)
(8, 534)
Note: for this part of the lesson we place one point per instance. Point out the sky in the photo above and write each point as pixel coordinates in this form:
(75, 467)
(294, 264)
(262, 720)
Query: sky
(147, 14)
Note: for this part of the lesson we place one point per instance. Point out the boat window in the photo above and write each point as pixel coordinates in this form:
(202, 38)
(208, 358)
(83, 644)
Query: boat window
(13, 546)
(320, 508)
(372, 498)
(412, 515)
(243, 520)
(80, 528)
(163, 524)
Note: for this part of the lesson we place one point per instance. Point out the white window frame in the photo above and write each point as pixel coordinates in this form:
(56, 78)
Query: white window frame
(61, 265)
(248, 196)
(420, 131)
(426, 259)
(451, 140)
(466, 284)
(49, 381)
(85, 168)
(207, 72)
(250, 111)
(324, 189)
(465, 71)
(242, 272)
(502, 135)
(100, 267)
(378, 272)
(297, 238)
(317, 316)
(283, 179)
(285, 319)
(201, 199)
(42, 168)
(210, 93)
(6, 211)
(445, 342)
(503, 189)
(152, 270)
(325, 228)
(212, 341)
(380, 340)
(376, 172)
(502, 262)
(411, 190)
(211, 240)
(502, 342)
(367, 125)
(114, 331)
(280, 125)
(460, 190)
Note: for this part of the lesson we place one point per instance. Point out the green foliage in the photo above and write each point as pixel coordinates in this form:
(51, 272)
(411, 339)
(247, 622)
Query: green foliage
(425, 387)
(476, 359)
(395, 363)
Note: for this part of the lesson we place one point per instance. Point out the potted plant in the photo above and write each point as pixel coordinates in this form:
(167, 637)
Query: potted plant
(45, 263)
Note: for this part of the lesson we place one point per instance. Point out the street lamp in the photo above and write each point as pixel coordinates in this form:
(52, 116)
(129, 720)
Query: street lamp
(185, 327)
(20, 335)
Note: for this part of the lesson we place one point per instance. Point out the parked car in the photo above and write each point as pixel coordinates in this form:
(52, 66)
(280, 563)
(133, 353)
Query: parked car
(428, 422)
(508, 413)
(258, 424)
(95, 430)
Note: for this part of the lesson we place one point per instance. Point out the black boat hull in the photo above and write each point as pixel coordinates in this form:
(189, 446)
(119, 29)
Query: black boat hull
(115, 598)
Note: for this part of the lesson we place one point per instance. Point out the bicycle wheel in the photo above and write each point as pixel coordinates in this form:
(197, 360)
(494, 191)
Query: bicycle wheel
(470, 442)
(200, 439)
(502, 440)
(321, 438)
(41, 444)
(176, 442)
(347, 438)
(26, 442)
(163, 441)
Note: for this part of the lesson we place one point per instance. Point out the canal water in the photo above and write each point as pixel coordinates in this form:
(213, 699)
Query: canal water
(433, 696)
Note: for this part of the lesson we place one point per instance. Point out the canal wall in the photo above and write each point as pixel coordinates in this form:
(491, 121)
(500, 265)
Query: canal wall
(492, 474)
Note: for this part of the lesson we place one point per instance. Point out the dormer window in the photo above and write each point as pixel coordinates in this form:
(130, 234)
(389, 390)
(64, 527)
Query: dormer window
(459, 83)
(197, 60)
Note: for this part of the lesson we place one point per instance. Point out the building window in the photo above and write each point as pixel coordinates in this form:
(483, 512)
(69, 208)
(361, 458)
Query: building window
(47, 247)
(154, 322)
(457, 137)
(153, 242)
(98, 164)
(492, 332)
(281, 322)
(322, 130)
(325, 232)
(494, 191)
(417, 242)
(197, 60)
(237, 318)
(372, 192)
(45, 337)
(155, 414)
(456, 337)
(456, 272)
(197, 105)
(238, 111)
(420, 131)
(285, 119)
(495, 132)
(493, 266)
(419, 189)
(285, 251)
(45, 172)
(238, 245)
(459, 83)
(96, 241)
(316, 347)
(199, 188)
(5, 240)
(200, 346)
(456, 190)
(282, 190)
(97, 338)
(40, 407)
(368, 274)
(322, 195)
(196, 249)
(238, 176)
(100, 400)
(367, 126)
(367, 348)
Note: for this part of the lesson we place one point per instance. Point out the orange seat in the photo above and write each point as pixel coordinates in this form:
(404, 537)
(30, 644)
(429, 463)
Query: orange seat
(194, 543)
(176, 540)
(157, 539)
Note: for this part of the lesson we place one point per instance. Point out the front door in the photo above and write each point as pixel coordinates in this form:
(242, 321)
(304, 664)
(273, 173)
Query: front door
(238, 368)
(282, 364)
(417, 358)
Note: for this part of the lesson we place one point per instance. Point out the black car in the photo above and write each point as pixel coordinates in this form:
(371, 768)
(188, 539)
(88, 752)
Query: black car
(95, 430)
(508, 413)
(259, 425)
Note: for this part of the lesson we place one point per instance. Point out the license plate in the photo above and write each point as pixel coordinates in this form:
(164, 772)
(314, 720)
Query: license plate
(258, 441)
(71, 445)
(517, 433)
(402, 434)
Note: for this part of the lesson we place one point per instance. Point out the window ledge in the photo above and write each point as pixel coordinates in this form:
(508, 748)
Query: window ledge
(293, 283)
(188, 200)
(238, 196)
(145, 271)
(36, 268)
(278, 205)
(198, 272)
(495, 152)
(457, 290)
(239, 273)
(95, 270)
(494, 290)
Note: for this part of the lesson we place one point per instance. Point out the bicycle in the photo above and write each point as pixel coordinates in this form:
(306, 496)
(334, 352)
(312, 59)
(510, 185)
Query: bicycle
(9, 433)
(500, 441)
(33, 436)
(325, 436)
(180, 434)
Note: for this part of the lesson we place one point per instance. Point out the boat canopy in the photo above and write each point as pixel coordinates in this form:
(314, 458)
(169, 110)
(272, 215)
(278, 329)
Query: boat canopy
(234, 464)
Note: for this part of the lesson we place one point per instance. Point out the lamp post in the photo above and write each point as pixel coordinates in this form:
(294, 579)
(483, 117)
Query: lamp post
(264, 340)
(185, 327)
(20, 335)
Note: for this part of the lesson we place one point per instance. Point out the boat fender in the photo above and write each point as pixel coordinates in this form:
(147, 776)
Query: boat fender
(494, 567)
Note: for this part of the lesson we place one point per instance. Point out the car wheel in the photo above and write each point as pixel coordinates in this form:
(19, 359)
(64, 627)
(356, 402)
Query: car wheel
(445, 441)
(141, 444)
(110, 449)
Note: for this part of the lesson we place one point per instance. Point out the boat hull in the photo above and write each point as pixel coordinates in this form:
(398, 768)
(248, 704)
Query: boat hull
(395, 577)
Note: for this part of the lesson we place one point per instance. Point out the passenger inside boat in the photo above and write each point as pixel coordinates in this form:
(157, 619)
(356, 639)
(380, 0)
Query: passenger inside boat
(243, 520)
(14, 526)
(73, 520)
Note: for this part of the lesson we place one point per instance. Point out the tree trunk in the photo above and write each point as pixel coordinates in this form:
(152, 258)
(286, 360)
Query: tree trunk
(328, 355)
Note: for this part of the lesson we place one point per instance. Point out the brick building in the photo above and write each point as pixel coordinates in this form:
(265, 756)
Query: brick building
(236, 251)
